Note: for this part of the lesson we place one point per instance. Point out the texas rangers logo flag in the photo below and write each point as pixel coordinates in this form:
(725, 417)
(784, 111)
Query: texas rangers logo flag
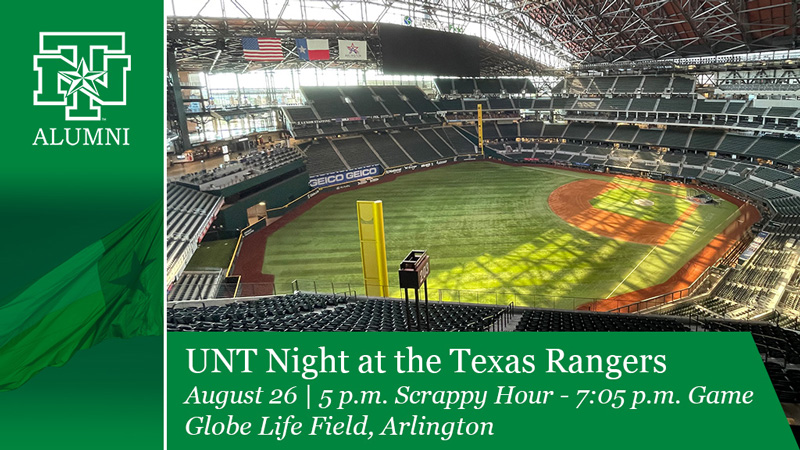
(352, 50)
(313, 49)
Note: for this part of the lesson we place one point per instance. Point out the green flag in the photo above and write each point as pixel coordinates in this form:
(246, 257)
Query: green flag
(112, 288)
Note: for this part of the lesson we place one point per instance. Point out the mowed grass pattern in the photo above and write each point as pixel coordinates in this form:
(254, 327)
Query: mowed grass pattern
(621, 201)
(212, 254)
(486, 226)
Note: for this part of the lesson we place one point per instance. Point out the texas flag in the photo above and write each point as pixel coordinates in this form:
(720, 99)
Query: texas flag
(313, 49)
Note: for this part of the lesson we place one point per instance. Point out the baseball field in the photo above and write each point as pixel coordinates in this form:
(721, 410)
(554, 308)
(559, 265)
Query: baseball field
(550, 237)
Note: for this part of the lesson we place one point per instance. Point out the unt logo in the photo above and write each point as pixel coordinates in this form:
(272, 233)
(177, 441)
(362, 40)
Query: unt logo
(82, 72)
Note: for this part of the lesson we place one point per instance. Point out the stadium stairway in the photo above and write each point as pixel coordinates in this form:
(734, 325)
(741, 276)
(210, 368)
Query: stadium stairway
(339, 154)
(383, 163)
(513, 322)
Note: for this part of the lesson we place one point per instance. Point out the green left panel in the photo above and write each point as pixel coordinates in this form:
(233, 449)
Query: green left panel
(81, 195)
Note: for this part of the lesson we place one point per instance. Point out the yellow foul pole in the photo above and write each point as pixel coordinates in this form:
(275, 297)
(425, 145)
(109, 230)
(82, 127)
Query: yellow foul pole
(373, 248)
(480, 127)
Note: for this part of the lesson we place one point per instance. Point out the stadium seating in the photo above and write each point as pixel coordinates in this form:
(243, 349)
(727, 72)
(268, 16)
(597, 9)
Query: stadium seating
(601, 85)
(363, 101)
(355, 152)
(252, 164)
(553, 130)
(530, 129)
(490, 131)
(675, 105)
(488, 85)
(331, 128)
(563, 157)
(322, 158)
(450, 104)
(753, 111)
(391, 99)
(695, 160)
(792, 156)
(710, 177)
(672, 171)
(709, 106)
(681, 85)
(508, 130)
(722, 164)
(542, 103)
(772, 148)
(354, 125)
(416, 147)
(444, 85)
(516, 85)
(733, 143)
(793, 183)
(501, 103)
(655, 84)
(189, 214)
(772, 194)
(705, 139)
(577, 117)
(456, 140)
(627, 84)
(578, 130)
(613, 104)
(675, 138)
(394, 122)
(730, 179)
(624, 133)
(647, 155)
(648, 137)
(388, 149)
(603, 151)
(643, 104)
(552, 320)
(472, 105)
(301, 114)
(417, 99)
(437, 142)
(306, 131)
(735, 106)
(315, 312)
(464, 85)
(765, 173)
(523, 103)
(688, 172)
(600, 132)
(749, 185)
(777, 111)
(195, 285)
(328, 102)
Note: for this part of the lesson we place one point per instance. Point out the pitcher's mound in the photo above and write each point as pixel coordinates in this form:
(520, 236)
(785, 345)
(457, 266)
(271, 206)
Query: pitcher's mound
(643, 202)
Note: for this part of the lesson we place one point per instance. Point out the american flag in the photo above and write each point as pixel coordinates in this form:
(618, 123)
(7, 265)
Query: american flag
(262, 49)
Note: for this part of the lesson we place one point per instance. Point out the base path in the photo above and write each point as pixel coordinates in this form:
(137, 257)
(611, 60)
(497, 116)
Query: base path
(250, 259)
(572, 202)
(690, 271)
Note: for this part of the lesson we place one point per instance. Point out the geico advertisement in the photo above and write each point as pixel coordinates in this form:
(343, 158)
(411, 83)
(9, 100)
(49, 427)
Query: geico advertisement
(344, 176)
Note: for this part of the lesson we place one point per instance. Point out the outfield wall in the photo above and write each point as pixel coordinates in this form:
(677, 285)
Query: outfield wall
(249, 257)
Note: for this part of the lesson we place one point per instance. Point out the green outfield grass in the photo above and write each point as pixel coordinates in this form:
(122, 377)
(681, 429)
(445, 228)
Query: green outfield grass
(488, 227)
(213, 254)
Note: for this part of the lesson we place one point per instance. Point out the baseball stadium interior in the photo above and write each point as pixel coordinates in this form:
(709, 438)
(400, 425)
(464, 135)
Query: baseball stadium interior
(541, 166)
